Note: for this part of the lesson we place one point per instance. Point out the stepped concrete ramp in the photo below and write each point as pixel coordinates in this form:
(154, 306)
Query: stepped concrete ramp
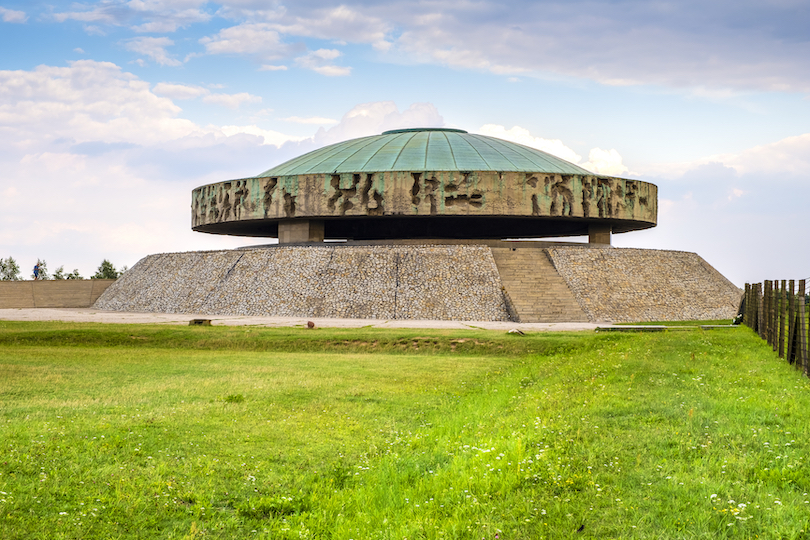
(537, 291)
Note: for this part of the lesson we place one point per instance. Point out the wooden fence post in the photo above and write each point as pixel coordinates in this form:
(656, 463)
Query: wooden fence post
(747, 302)
(760, 309)
(782, 315)
(775, 315)
(791, 300)
(802, 360)
(766, 286)
(771, 313)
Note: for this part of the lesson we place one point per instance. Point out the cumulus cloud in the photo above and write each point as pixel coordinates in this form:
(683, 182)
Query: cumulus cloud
(179, 91)
(185, 91)
(715, 49)
(607, 162)
(375, 117)
(270, 67)
(13, 16)
(232, 101)
(522, 136)
(86, 101)
(310, 120)
(683, 45)
(258, 39)
(320, 61)
(156, 16)
(154, 48)
(114, 165)
(732, 196)
(268, 136)
(339, 23)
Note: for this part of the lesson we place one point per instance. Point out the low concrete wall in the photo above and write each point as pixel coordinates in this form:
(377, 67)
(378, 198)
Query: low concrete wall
(441, 282)
(68, 293)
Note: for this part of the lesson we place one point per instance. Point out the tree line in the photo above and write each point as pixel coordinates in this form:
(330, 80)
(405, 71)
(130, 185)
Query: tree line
(10, 271)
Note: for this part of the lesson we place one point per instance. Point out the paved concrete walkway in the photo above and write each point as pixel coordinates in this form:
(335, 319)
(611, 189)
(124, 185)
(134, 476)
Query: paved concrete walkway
(126, 317)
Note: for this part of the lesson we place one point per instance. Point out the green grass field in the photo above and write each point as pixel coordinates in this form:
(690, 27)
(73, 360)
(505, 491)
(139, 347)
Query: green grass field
(116, 431)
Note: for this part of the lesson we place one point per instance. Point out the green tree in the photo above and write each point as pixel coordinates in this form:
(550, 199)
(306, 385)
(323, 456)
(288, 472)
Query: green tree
(60, 274)
(43, 270)
(106, 270)
(9, 270)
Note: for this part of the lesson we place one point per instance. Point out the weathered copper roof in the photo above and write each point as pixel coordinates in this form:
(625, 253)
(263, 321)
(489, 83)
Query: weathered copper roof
(424, 149)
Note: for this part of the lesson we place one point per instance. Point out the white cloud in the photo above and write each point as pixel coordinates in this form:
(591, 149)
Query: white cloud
(320, 62)
(607, 162)
(715, 50)
(249, 38)
(179, 91)
(522, 136)
(342, 23)
(13, 16)
(156, 16)
(310, 120)
(78, 50)
(87, 101)
(94, 30)
(375, 117)
(790, 155)
(103, 14)
(163, 19)
(268, 136)
(232, 101)
(270, 67)
(155, 48)
(722, 46)
(718, 206)
(113, 163)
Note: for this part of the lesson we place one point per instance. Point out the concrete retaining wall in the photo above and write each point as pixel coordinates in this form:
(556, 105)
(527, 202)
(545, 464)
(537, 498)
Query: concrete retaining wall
(443, 282)
(68, 293)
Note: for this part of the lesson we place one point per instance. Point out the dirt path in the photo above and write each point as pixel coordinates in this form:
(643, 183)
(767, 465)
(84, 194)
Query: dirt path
(122, 317)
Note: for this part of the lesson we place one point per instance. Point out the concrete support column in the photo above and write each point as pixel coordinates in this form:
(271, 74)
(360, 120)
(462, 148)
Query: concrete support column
(599, 234)
(295, 231)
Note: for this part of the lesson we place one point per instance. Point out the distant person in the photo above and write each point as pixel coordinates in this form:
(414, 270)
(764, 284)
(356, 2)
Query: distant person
(36, 271)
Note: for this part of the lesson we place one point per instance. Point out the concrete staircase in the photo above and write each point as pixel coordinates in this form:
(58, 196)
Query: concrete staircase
(537, 291)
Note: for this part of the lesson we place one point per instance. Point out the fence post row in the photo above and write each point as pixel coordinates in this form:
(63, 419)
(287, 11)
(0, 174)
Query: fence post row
(782, 316)
(777, 312)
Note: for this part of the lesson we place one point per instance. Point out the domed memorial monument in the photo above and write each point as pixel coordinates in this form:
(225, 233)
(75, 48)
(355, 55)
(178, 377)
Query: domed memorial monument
(425, 183)
(432, 221)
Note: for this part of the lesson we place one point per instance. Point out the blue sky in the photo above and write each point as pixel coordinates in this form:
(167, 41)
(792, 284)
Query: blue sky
(112, 112)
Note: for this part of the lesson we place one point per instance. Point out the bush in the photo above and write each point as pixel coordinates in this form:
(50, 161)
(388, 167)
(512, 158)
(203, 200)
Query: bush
(60, 274)
(106, 270)
(9, 270)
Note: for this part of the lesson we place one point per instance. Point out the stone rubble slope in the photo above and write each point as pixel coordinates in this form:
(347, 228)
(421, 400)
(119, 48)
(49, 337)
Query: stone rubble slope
(440, 282)
(636, 285)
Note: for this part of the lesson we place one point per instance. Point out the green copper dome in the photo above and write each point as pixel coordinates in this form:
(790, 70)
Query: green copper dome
(424, 149)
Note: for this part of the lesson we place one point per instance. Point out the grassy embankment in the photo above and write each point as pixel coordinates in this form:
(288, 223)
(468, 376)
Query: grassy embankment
(178, 432)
